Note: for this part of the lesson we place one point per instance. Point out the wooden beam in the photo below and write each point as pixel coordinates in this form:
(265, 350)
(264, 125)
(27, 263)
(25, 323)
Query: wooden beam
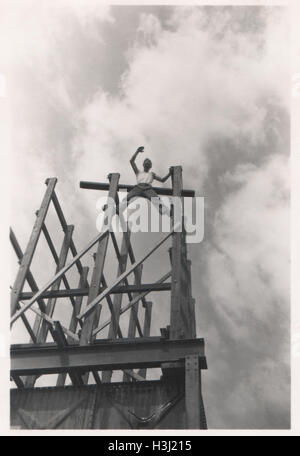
(58, 275)
(116, 355)
(134, 309)
(133, 318)
(176, 329)
(102, 295)
(147, 327)
(61, 379)
(117, 301)
(192, 391)
(44, 328)
(62, 343)
(158, 190)
(81, 292)
(51, 323)
(129, 249)
(191, 302)
(91, 319)
(42, 335)
(28, 327)
(63, 223)
(130, 304)
(56, 258)
(18, 381)
(112, 310)
(29, 277)
(31, 246)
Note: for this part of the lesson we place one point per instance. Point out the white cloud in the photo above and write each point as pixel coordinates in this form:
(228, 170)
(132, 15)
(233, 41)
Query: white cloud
(186, 87)
(251, 261)
(33, 34)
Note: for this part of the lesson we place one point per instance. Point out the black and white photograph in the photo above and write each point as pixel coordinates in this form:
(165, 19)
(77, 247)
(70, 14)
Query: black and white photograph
(148, 188)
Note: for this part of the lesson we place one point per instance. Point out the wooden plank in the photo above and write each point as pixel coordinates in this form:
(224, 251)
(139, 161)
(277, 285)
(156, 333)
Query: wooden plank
(31, 246)
(84, 291)
(134, 309)
(115, 355)
(158, 190)
(192, 392)
(58, 275)
(102, 295)
(56, 258)
(191, 302)
(63, 223)
(117, 300)
(93, 316)
(29, 278)
(62, 343)
(133, 319)
(176, 329)
(51, 323)
(18, 381)
(146, 332)
(61, 379)
(130, 304)
(28, 327)
(112, 310)
(126, 238)
(42, 335)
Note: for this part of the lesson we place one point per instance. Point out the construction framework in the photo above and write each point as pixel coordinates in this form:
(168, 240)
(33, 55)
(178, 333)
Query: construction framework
(77, 351)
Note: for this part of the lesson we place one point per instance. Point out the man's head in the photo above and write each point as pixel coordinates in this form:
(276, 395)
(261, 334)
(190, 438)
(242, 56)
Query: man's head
(147, 164)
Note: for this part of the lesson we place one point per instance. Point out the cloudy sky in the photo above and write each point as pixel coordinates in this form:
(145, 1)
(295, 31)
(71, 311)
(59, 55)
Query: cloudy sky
(203, 87)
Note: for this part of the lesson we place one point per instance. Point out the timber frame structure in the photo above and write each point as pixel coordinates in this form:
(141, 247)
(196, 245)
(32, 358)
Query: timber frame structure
(172, 402)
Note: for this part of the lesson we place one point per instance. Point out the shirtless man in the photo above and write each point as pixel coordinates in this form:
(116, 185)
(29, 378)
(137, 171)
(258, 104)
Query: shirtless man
(144, 180)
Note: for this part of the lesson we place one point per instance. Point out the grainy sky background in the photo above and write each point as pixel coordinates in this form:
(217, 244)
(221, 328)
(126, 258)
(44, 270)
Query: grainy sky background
(204, 87)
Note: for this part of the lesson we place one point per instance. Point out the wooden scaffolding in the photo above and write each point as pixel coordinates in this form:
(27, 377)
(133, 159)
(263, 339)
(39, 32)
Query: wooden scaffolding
(78, 352)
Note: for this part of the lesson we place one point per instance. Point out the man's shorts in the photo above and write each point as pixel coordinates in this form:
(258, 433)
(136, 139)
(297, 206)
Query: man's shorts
(144, 190)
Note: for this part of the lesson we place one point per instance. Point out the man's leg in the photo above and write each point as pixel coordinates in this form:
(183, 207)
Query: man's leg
(151, 195)
(134, 193)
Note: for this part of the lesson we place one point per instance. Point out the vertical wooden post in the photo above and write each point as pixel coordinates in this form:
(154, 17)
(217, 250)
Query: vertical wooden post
(146, 332)
(191, 302)
(31, 246)
(133, 316)
(117, 300)
(134, 308)
(192, 392)
(74, 322)
(91, 320)
(176, 329)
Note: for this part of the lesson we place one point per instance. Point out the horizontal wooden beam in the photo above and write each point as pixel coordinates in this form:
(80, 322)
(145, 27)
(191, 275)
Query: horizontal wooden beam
(119, 354)
(85, 291)
(158, 190)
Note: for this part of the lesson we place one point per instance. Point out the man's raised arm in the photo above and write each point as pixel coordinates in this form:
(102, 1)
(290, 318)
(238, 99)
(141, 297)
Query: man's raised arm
(132, 160)
(163, 179)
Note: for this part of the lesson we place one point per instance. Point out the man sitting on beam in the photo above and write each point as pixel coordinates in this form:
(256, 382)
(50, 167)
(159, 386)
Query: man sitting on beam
(143, 188)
